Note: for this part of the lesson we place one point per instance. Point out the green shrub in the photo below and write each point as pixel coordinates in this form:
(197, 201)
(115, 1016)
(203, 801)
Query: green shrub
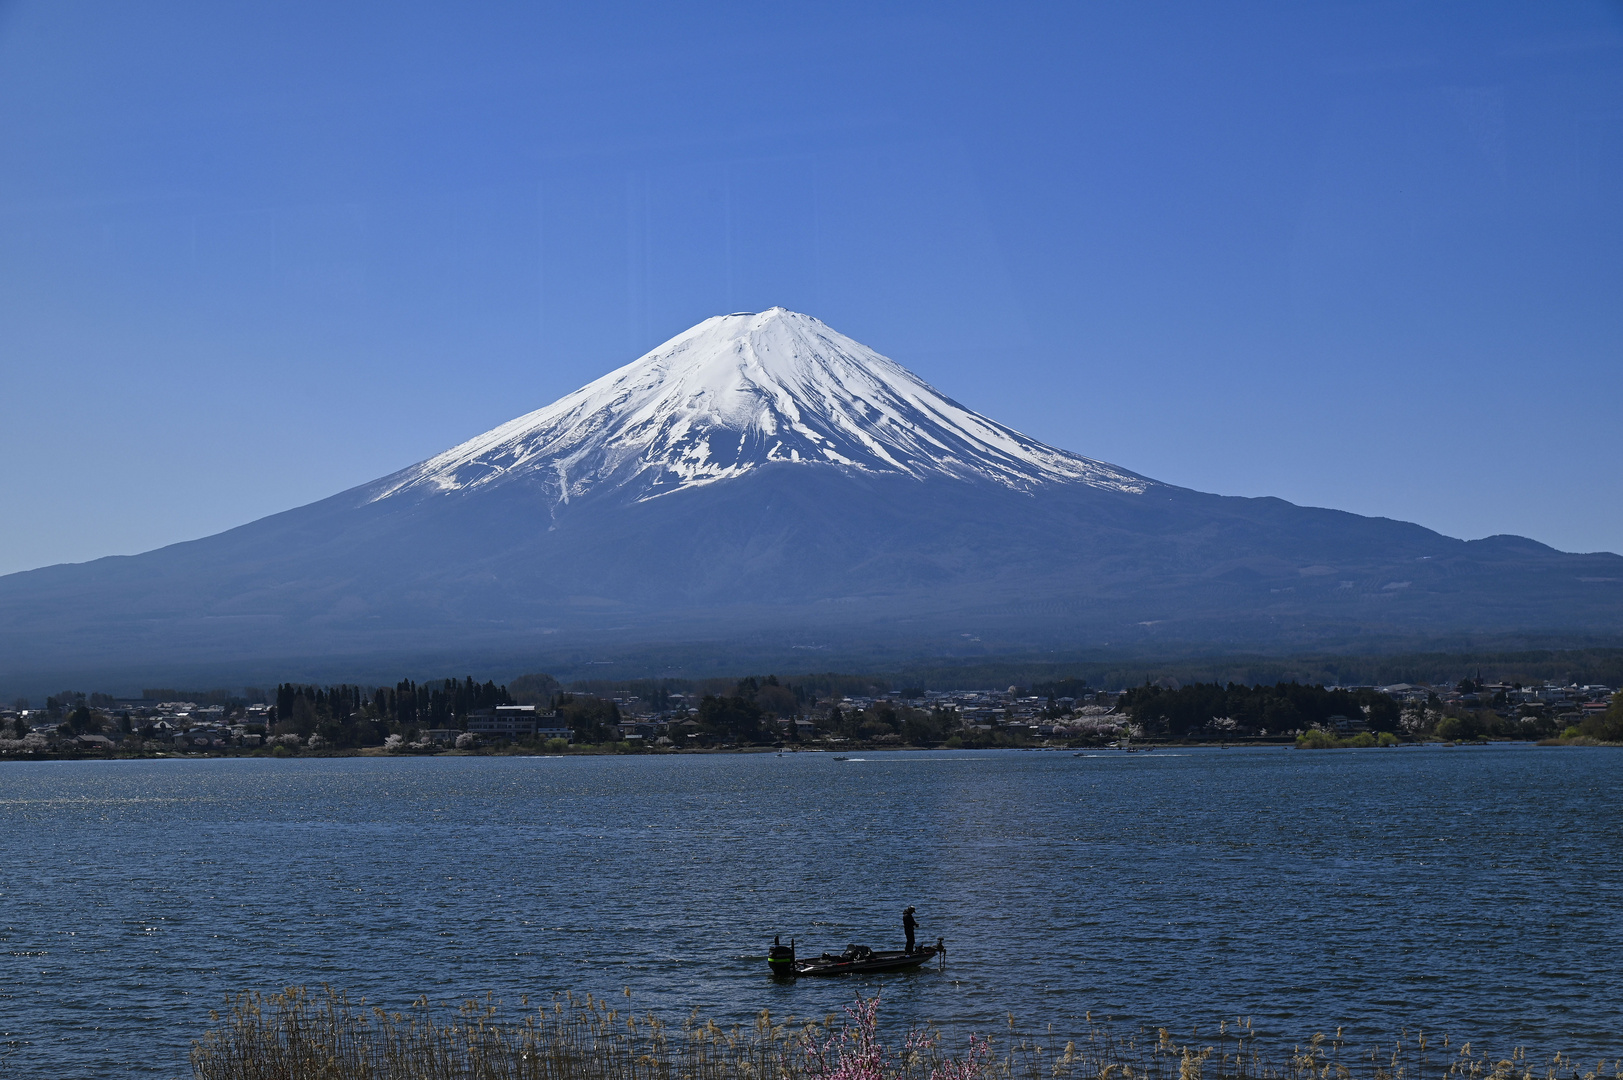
(1388, 739)
(1607, 726)
(1316, 739)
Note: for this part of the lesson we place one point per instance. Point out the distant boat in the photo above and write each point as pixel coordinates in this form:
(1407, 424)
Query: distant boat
(839, 758)
(855, 960)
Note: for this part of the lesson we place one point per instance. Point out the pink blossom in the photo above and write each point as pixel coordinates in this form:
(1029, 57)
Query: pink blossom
(856, 1052)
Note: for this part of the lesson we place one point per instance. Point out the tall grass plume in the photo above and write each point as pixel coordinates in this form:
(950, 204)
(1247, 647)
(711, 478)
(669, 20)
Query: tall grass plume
(325, 1035)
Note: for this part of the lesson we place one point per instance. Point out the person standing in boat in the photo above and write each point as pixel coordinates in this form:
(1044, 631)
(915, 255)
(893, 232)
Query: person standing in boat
(909, 924)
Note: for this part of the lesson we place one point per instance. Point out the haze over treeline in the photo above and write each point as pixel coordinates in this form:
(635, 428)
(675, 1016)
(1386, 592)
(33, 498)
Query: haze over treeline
(1563, 666)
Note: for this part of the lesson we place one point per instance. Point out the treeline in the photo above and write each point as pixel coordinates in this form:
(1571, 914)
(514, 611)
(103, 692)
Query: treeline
(742, 714)
(820, 685)
(914, 726)
(748, 713)
(1070, 687)
(1210, 709)
(591, 719)
(719, 710)
(1602, 665)
(348, 715)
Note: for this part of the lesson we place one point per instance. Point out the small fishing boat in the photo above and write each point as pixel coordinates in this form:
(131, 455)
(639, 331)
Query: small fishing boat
(855, 960)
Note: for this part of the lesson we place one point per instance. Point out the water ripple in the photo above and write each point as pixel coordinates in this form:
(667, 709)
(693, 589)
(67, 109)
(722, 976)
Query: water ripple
(1469, 891)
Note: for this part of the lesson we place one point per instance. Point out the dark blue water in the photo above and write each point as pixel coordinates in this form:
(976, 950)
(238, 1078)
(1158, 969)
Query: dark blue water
(1468, 891)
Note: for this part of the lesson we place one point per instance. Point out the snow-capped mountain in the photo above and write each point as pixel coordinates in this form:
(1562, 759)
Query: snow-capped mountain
(756, 486)
(740, 391)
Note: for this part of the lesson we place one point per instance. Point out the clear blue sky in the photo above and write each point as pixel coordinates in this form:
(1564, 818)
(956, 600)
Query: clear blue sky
(1364, 256)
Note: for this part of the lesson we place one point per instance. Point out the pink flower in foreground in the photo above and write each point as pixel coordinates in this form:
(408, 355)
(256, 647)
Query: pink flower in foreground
(856, 1052)
(970, 1066)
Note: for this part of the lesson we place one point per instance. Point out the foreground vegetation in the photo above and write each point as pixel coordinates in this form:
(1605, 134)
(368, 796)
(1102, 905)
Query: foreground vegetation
(297, 1035)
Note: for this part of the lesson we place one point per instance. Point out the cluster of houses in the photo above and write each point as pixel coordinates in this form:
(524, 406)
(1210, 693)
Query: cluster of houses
(183, 725)
(1573, 700)
(1031, 716)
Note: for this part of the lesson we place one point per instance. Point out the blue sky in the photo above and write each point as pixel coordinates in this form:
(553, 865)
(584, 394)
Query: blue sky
(1361, 256)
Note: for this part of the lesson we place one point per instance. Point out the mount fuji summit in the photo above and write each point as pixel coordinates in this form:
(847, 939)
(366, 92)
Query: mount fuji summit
(742, 392)
(764, 480)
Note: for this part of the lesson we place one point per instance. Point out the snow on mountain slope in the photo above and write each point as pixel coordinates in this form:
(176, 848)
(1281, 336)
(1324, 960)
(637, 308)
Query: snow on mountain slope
(737, 392)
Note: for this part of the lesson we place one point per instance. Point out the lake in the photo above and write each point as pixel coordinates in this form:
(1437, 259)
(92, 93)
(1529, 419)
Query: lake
(1468, 890)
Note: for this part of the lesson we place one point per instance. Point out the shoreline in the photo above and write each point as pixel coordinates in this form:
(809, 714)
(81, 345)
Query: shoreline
(259, 754)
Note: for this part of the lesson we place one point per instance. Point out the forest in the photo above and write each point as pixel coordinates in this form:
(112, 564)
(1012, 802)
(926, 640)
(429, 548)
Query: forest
(1212, 710)
(348, 715)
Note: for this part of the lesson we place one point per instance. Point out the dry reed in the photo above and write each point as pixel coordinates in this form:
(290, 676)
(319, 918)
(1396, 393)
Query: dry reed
(299, 1035)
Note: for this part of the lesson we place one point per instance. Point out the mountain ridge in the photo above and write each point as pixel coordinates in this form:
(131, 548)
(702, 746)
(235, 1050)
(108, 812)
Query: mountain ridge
(598, 518)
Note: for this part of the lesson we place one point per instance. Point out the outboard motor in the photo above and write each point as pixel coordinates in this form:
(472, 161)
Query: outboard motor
(781, 958)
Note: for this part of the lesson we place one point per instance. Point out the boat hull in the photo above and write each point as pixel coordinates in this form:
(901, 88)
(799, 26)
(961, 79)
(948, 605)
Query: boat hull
(879, 961)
